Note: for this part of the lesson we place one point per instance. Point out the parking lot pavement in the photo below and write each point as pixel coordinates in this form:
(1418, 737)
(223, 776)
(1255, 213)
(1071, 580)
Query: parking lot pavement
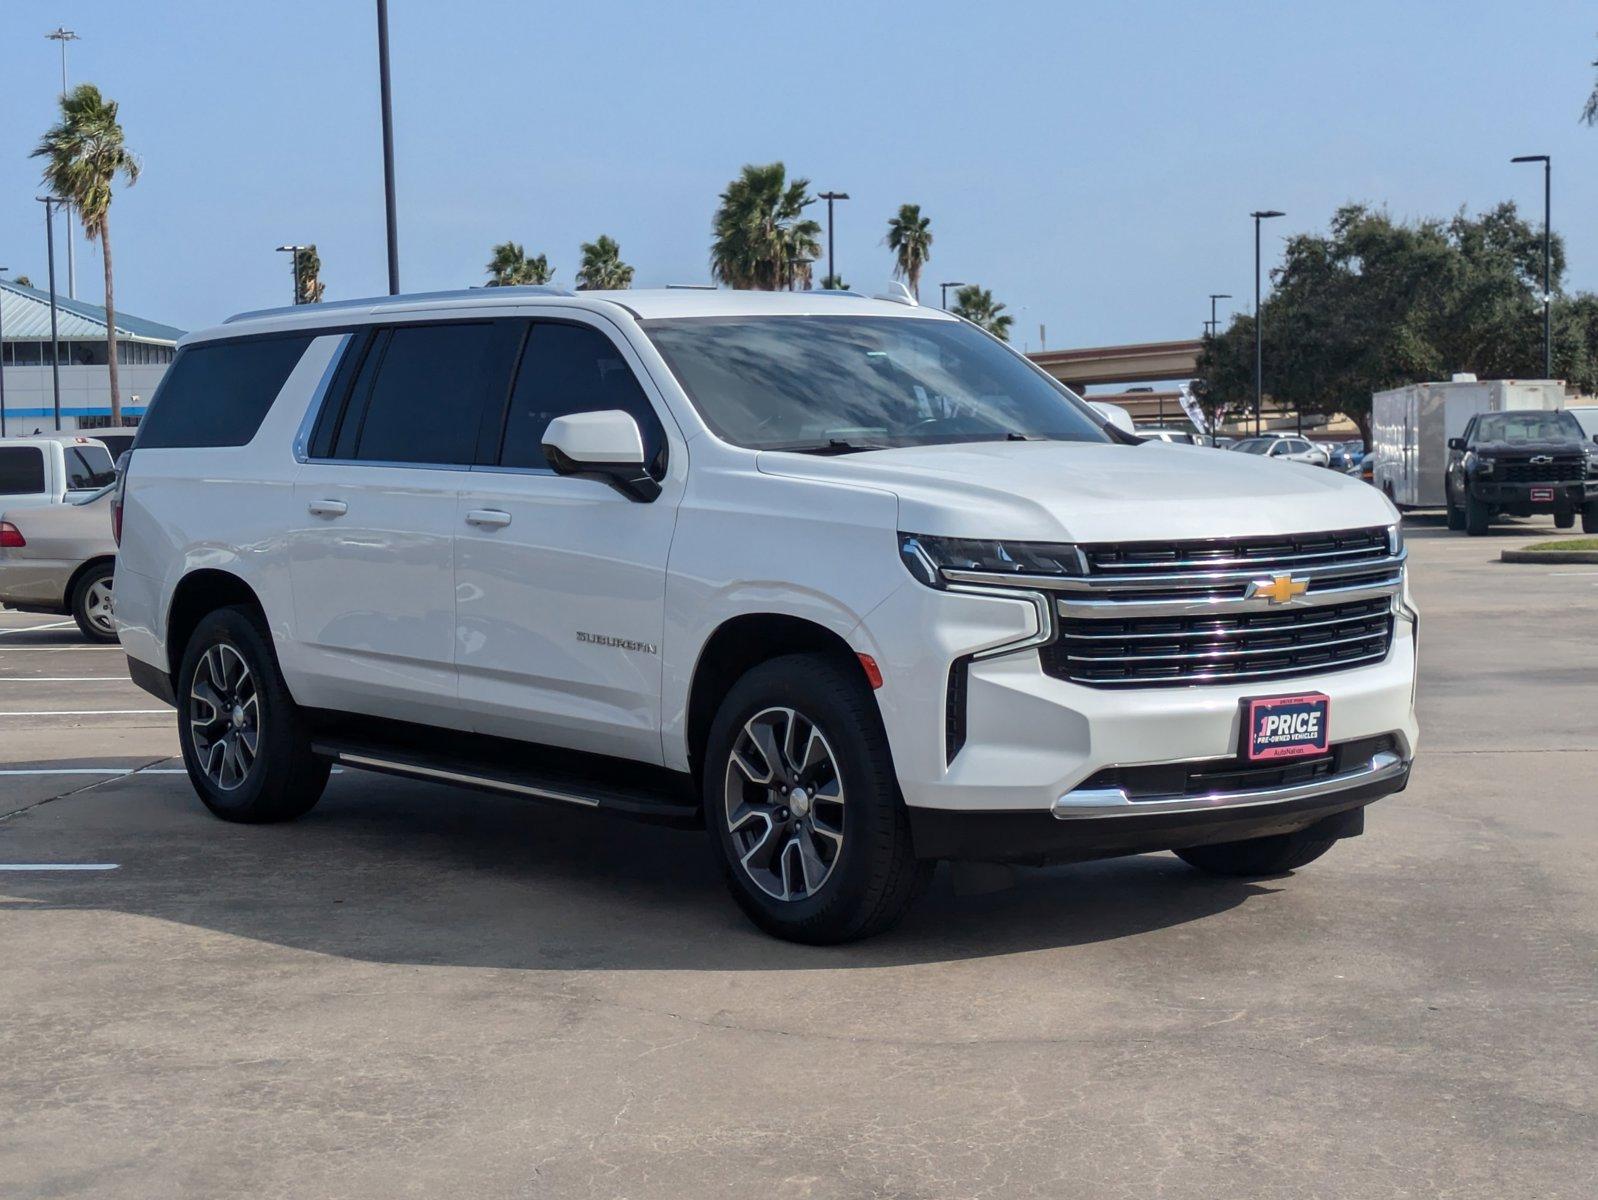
(416, 991)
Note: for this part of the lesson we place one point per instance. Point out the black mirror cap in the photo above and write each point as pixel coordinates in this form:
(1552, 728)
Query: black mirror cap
(1456, 443)
(632, 480)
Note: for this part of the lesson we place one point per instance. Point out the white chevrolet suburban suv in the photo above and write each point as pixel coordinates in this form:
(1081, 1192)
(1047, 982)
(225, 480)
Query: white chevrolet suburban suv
(846, 581)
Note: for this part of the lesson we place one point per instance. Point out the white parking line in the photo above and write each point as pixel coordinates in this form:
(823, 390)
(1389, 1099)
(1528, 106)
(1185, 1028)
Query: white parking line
(1582, 574)
(88, 712)
(31, 628)
(13, 771)
(59, 866)
(4, 679)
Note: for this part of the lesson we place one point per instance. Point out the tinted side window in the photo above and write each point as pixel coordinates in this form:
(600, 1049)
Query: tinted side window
(571, 369)
(217, 394)
(21, 470)
(423, 388)
(88, 468)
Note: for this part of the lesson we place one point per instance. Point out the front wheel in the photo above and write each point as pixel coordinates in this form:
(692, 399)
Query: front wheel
(245, 742)
(1478, 516)
(1564, 519)
(91, 604)
(802, 805)
(1456, 515)
(1258, 856)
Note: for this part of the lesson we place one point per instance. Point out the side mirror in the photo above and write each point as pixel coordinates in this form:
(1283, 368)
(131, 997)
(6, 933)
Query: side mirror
(607, 446)
(1456, 443)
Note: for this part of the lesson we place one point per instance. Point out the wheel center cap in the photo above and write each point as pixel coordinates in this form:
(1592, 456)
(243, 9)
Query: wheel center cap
(238, 716)
(799, 801)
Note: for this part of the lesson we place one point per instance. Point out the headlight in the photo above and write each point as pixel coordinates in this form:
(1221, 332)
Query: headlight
(930, 558)
(1395, 539)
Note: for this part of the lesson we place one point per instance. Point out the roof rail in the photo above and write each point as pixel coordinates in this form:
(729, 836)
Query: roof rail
(691, 287)
(530, 289)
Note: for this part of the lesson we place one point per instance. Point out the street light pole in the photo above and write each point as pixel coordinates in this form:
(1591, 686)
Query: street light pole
(2, 361)
(1548, 259)
(55, 342)
(1259, 345)
(1215, 327)
(829, 197)
(943, 293)
(64, 36)
(388, 147)
(295, 251)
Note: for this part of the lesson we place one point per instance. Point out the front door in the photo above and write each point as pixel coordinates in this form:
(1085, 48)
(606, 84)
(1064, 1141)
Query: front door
(560, 582)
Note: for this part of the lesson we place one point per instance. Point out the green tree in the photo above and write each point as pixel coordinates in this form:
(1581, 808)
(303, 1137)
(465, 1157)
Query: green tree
(510, 267)
(84, 154)
(910, 239)
(759, 232)
(308, 270)
(602, 267)
(976, 304)
(1375, 303)
(834, 283)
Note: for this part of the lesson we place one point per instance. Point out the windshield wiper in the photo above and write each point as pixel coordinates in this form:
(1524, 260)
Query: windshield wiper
(837, 446)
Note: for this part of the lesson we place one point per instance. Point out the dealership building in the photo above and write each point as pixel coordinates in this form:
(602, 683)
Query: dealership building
(144, 351)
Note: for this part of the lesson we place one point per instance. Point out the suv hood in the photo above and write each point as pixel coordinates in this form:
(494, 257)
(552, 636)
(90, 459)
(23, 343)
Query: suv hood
(1091, 492)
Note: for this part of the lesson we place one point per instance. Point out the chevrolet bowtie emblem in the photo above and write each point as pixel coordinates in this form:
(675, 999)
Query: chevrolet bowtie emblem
(1279, 590)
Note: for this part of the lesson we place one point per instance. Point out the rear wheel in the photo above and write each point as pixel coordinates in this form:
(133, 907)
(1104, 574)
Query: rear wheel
(91, 604)
(1258, 856)
(802, 805)
(245, 742)
(1478, 516)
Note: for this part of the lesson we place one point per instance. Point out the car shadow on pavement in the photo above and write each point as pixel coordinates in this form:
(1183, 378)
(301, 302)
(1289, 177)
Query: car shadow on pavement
(394, 871)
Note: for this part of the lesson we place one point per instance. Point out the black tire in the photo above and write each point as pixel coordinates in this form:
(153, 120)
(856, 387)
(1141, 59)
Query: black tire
(89, 603)
(282, 779)
(1564, 519)
(1478, 516)
(1456, 516)
(874, 874)
(1258, 856)
(1589, 517)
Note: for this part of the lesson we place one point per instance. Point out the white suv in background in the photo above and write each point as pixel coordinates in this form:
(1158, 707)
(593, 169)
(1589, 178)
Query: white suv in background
(847, 581)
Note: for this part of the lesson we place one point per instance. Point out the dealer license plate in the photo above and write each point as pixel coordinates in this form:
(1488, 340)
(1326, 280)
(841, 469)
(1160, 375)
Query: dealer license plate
(1541, 495)
(1286, 726)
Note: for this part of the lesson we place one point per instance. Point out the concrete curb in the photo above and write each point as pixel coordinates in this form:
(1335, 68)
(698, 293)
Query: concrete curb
(1550, 556)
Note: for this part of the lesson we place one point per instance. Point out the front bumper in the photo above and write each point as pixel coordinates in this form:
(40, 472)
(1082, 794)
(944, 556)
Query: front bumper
(1567, 495)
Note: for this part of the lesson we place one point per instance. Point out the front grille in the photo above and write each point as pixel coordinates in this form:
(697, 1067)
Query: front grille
(1564, 469)
(1177, 614)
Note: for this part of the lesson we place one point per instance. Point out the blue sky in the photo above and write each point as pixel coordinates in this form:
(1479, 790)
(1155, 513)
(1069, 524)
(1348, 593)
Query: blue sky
(1094, 164)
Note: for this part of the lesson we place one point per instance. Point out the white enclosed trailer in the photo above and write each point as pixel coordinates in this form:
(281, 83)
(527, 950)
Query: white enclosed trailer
(1411, 425)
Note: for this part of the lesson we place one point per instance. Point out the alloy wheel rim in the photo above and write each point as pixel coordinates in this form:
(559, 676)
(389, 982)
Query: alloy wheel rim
(784, 804)
(97, 606)
(224, 716)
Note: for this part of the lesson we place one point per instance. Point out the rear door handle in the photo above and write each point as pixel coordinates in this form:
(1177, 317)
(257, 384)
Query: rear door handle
(328, 508)
(488, 518)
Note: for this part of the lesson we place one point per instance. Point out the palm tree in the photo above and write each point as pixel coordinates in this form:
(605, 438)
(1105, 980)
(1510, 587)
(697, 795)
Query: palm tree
(510, 267)
(910, 239)
(602, 267)
(976, 305)
(760, 233)
(834, 283)
(83, 154)
(308, 270)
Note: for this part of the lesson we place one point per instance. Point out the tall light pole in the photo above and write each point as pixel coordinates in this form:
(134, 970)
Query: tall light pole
(943, 292)
(832, 270)
(55, 342)
(1259, 345)
(2, 362)
(296, 253)
(1548, 259)
(1215, 328)
(64, 36)
(388, 146)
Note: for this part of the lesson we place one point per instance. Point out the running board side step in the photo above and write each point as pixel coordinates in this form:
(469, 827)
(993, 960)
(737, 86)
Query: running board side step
(581, 781)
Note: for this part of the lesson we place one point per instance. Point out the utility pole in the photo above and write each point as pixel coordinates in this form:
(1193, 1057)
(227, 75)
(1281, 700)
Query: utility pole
(64, 36)
(1548, 259)
(2, 362)
(829, 197)
(1214, 324)
(388, 147)
(1259, 351)
(55, 341)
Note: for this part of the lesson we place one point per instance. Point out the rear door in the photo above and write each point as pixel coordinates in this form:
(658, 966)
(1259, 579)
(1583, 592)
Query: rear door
(372, 555)
(560, 582)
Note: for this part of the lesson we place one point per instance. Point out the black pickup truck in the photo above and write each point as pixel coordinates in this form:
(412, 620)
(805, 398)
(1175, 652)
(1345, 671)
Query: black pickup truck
(1522, 462)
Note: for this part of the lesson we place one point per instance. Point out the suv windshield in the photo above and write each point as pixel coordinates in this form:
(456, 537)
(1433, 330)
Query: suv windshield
(835, 384)
(1528, 427)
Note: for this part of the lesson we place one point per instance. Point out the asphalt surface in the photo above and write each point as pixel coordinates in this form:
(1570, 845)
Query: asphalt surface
(417, 991)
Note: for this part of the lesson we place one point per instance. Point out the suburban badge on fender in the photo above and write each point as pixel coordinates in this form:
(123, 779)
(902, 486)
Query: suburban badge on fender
(1279, 590)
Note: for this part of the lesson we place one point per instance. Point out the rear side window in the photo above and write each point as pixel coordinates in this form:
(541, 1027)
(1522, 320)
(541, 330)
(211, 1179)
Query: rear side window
(218, 393)
(21, 470)
(420, 395)
(88, 468)
(571, 369)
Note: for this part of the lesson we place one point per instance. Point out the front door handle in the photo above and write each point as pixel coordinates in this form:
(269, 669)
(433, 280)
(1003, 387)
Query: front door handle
(328, 508)
(488, 518)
